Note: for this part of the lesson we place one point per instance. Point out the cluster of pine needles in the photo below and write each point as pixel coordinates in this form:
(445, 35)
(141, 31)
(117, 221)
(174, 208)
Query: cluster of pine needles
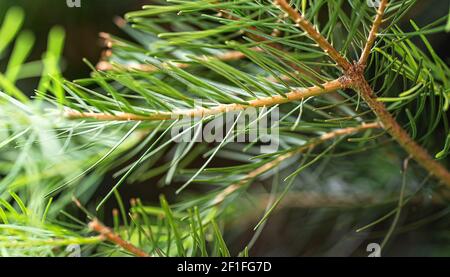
(363, 132)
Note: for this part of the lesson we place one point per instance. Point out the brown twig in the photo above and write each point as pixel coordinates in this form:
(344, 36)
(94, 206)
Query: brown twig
(373, 33)
(108, 234)
(355, 73)
(270, 165)
(400, 135)
(389, 123)
(225, 56)
(203, 112)
(306, 26)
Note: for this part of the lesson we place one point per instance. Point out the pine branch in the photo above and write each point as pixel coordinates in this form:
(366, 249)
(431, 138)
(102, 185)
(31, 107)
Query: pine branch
(373, 33)
(109, 42)
(313, 33)
(108, 234)
(172, 62)
(296, 95)
(389, 123)
(356, 74)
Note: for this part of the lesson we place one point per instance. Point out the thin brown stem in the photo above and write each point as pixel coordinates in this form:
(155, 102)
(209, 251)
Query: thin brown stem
(389, 123)
(108, 234)
(270, 165)
(400, 135)
(104, 65)
(226, 56)
(355, 73)
(313, 33)
(203, 112)
(373, 33)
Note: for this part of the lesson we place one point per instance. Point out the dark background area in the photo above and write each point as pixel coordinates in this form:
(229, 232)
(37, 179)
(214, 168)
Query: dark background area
(82, 26)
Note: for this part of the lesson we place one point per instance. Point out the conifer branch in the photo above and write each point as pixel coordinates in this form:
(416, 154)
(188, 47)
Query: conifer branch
(168, 64)
(270, 165)
(354, 76)
(356, 73)
(295, 95)
(109, 42)
(313, 33)
(389, 122)
(108, 234)
(373, 32)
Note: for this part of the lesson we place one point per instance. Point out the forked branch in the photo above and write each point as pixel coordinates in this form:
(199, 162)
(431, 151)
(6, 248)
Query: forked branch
(354, 77)
(355, 72)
